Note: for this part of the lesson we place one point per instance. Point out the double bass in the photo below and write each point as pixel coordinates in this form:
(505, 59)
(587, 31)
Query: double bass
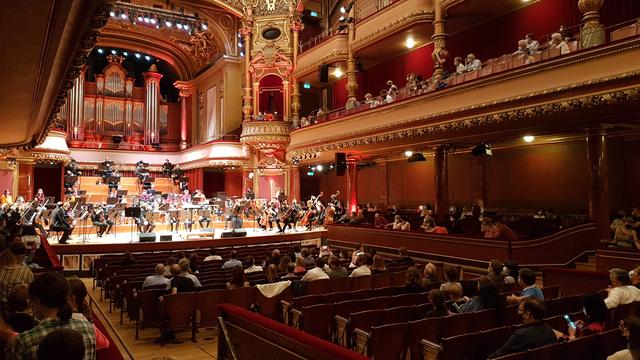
(311, 210)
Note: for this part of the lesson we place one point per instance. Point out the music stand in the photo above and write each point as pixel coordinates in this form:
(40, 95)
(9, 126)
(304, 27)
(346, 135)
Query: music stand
(82, 192)
(121, 193)
(132, 212)
(112, 201)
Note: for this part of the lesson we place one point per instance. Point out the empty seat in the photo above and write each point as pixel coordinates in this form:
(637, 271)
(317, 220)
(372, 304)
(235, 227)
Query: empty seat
(177, 313)
(360, 282)
(428, 329)
(459, 347)
(456, 324)
(339, 284)
(317, 320)
(551, 292)
(207, 305)
(387, 341)
(382, 280)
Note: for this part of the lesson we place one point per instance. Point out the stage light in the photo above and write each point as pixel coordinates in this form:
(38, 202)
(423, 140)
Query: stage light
(331, 167)
(153, 20)
(204, 26)
(113, 52)
(140, 18)
(337, 72)
(408, 153)
(310, 173)
(416, 157)
(342, 19)
(319, 167)
(410, 43)
(179, 25)
(123, 15)
(185, 26)
(528, 138)
(481, 149)
(125, 53)
(251, 175)
(147, 57)
(240, 44)
(242, 53)
(306, 85)
(100, 51)
(168, 23)
(314, 14)
(112, 13)
(146, 19)
(138, 55)
(343, 10)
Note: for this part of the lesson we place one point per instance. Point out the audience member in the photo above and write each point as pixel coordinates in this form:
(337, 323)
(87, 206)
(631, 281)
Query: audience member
(336, 271)
(557, 42)
(317, 272)
(539, 214)
(237, 279)
(404, 259)
(359, 249)
(437, 298)
(621, 291)
(284, 261)
(429, 275)
(430, 226)
(597, 317)
(472, 63)
(300, 268)
(510, 272)
(275, 257)
(212, 256)
(128, 259)
(379, 221)
(487, 297)
(157, 279)
(526, 279)
(12, 272)
(378, 265)
(533, 333)
(20, 318)
(630, 330)
(193, 263)
(634, 276)
(233, 261)
(251, 266)
(451, 276)
(178, 283)
(495, 229)
(49, 301)
(399, 224)
(460, 66)
(167, 268)
(80, 310)
(62, 343)
(290, 274)
(532, 44)
(185, 271)
(271, 274)
(412, 282)
(495, 272)
(308, 259)
(362, 269)
(297, 250)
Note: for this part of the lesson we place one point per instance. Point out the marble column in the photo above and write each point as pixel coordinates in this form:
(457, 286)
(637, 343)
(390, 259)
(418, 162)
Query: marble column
(352, 186)
(441, 173)
(186, 90)
(294, 183)
(247, 99)
(596, 141)
(296, 27)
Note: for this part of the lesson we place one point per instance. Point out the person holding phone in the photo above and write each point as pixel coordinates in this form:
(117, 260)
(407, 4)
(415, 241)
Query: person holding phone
(596, 322)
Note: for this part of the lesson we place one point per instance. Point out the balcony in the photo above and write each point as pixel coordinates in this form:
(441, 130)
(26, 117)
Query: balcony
(331, 49)
(266, 136)
(506, 97)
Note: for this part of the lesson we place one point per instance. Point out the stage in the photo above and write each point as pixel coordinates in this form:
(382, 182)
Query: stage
(78, 253)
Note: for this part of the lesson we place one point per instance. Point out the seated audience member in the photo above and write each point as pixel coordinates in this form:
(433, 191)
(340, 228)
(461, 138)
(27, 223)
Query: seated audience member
(233, 261)
(79, 305)
(49, 300)
(630, 330)
(359, 249)
(451, 276)
(472, 63)
(290, 275)
(460, 67)
(494, 228)
(237, 279)
(317, 272)
(300, 268)
(494, 272)
(362, 269)
(193, 264)
(12, 272)
(437, 298)
(127, 259)
(430, 226)
(396, 224)
(597, 318)
(532, 44)
(378, 265)
(167, 268)
(621, 291)
(533, 333)
(429, 275)
(455, 294)
(271, 274)
(185, 271)
(63, 343)
(20, 318)
(284, 261)
(510, 272)
(275, 257)
(625, 236)
(526, 279)
(212, 256)
(539, 214)
(618, 220)
(404, 259)
(157, 279)
(368, 99)
(297, 250)
(308, 259)
(356, 218)
(412, 282)
(487, 297)
(379, 221)
(251, 266)
(336, 271)
(558, 43)
(522, 48)
(178, 283)
(634, 276)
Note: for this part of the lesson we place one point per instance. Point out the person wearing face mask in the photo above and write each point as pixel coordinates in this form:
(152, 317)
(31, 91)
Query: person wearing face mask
(631, 330)
(533, 333)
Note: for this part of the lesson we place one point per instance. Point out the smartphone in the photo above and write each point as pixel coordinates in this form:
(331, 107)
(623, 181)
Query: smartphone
(567, 318)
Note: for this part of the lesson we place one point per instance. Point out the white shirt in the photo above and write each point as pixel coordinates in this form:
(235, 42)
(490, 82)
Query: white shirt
(621, 295)
(153, 280)
(361, 271)
(564, 48)
(474, 65)
(460, 68)
(252, 268)
(621, 355)
(212, 257)
(315, 274)
(193, 278)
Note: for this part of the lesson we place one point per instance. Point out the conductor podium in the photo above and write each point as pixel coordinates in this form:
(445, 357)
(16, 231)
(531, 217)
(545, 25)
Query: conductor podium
(234, 233)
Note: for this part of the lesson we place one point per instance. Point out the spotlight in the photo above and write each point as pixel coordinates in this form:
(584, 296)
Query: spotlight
(342, 18)
(417, 156)
(100, 51)
(114, 52)
(528, 138)
(337, 72)
(314, 13)
(140, 18)
(343, 10)
(125, 53)
(306, 85)
(331, 167)
(410, 43)
(123, 15)
(179, 25)
(147, 57)
(168, 23)
(240, 44)
(481, 149)
(153, 20)
(251, 175)
(185, 26)
(146, 19)
(204, 26)
(138, 55)
(112, 13)
(241, 53)
(408, 153)
(319, 167)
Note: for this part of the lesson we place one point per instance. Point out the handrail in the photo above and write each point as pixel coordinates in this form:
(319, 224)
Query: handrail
(325, 35)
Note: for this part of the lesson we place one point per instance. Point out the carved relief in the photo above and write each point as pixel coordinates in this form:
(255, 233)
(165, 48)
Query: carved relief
(201, 46)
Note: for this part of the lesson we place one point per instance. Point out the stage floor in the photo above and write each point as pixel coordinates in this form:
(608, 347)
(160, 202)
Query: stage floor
(133, 237)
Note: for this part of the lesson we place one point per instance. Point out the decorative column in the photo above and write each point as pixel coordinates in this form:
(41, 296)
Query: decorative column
(186, 90)
(441, 173)
(296, 27)
(599, 180)
(247, 99)
(592, 31)
(352, 70)
(383, 176)
(439, 38)
(75, 119)
(294, 182)
(152, 109)
(25, 179)
(352, 185)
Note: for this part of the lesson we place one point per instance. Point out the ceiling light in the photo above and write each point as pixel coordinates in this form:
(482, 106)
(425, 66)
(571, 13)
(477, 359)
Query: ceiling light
(114, 52)
(138, 55)
(319, 167)
(241, 53)
(168, 23)
(153, 20)
(125, 53)
(140, 18)
(240, 44)
(343, 9)
(123, 15)
(112, 13)
(100, 51)
(146, 19)
(408, 153)
(410, 43)
(337, 72)
(147, 57)
(179, 25)
(313, 13)
(416, 157)
(528, 138)
(186, 27)
(204, 26)
(342, 18)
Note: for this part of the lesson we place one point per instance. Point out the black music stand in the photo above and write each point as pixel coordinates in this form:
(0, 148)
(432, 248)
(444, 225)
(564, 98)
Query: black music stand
(132, 212)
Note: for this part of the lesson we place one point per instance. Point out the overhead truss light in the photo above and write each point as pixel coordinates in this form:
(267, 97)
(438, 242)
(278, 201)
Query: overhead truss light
(158, 18)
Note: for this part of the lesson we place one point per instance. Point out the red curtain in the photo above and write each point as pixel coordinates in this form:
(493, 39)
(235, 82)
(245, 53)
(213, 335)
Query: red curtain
(339, 93)
(196, 179)
(233, 183)
(213, 182)
(271, 98)
(49, 180)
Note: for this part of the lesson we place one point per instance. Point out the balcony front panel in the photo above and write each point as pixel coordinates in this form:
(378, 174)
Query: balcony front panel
(331, 50)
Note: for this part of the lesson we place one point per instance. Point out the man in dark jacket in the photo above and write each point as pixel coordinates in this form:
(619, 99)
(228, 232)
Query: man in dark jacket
(533, 333)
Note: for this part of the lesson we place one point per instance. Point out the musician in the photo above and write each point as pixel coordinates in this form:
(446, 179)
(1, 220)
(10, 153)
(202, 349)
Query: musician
(186, 197)
(59, 221)
(310, 216)
(281, 196)
(40, 198)
(287, 217)
(205, 218)
(176, 174)
(100, 219)
(6, 198)
(145, 225)
(250, 195)
(199, 197)
(167, 167)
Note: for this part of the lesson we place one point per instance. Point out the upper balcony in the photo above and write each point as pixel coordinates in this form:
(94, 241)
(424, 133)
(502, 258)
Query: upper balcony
(553, 93)
(330, 48)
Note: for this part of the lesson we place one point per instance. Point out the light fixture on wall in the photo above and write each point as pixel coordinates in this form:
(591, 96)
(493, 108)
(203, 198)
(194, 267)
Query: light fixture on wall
(416, 156)
(337, 72)
(481, 149)
(528, 138)
(410, 42)
(408, 153)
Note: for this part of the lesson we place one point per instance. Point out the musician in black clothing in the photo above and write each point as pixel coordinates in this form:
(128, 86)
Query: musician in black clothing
(59, 222)
(100, 220)
(250, 195)
(145, 225)
(287, 217)
(167, 167)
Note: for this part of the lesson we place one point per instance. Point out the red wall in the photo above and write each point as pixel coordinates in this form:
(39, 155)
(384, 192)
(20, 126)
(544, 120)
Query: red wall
(196, 179)
(6, 180)
(49, 180)
(213, 182)
(233, 183)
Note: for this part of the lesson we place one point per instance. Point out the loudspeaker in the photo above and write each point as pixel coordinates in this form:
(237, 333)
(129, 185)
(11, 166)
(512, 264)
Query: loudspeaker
(148, 237)
(341, 163)
(166, 237)
(481, 149)
(234, 233)
(324, 73)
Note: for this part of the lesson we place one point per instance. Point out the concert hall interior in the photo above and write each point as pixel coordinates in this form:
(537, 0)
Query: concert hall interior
(320, 179)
